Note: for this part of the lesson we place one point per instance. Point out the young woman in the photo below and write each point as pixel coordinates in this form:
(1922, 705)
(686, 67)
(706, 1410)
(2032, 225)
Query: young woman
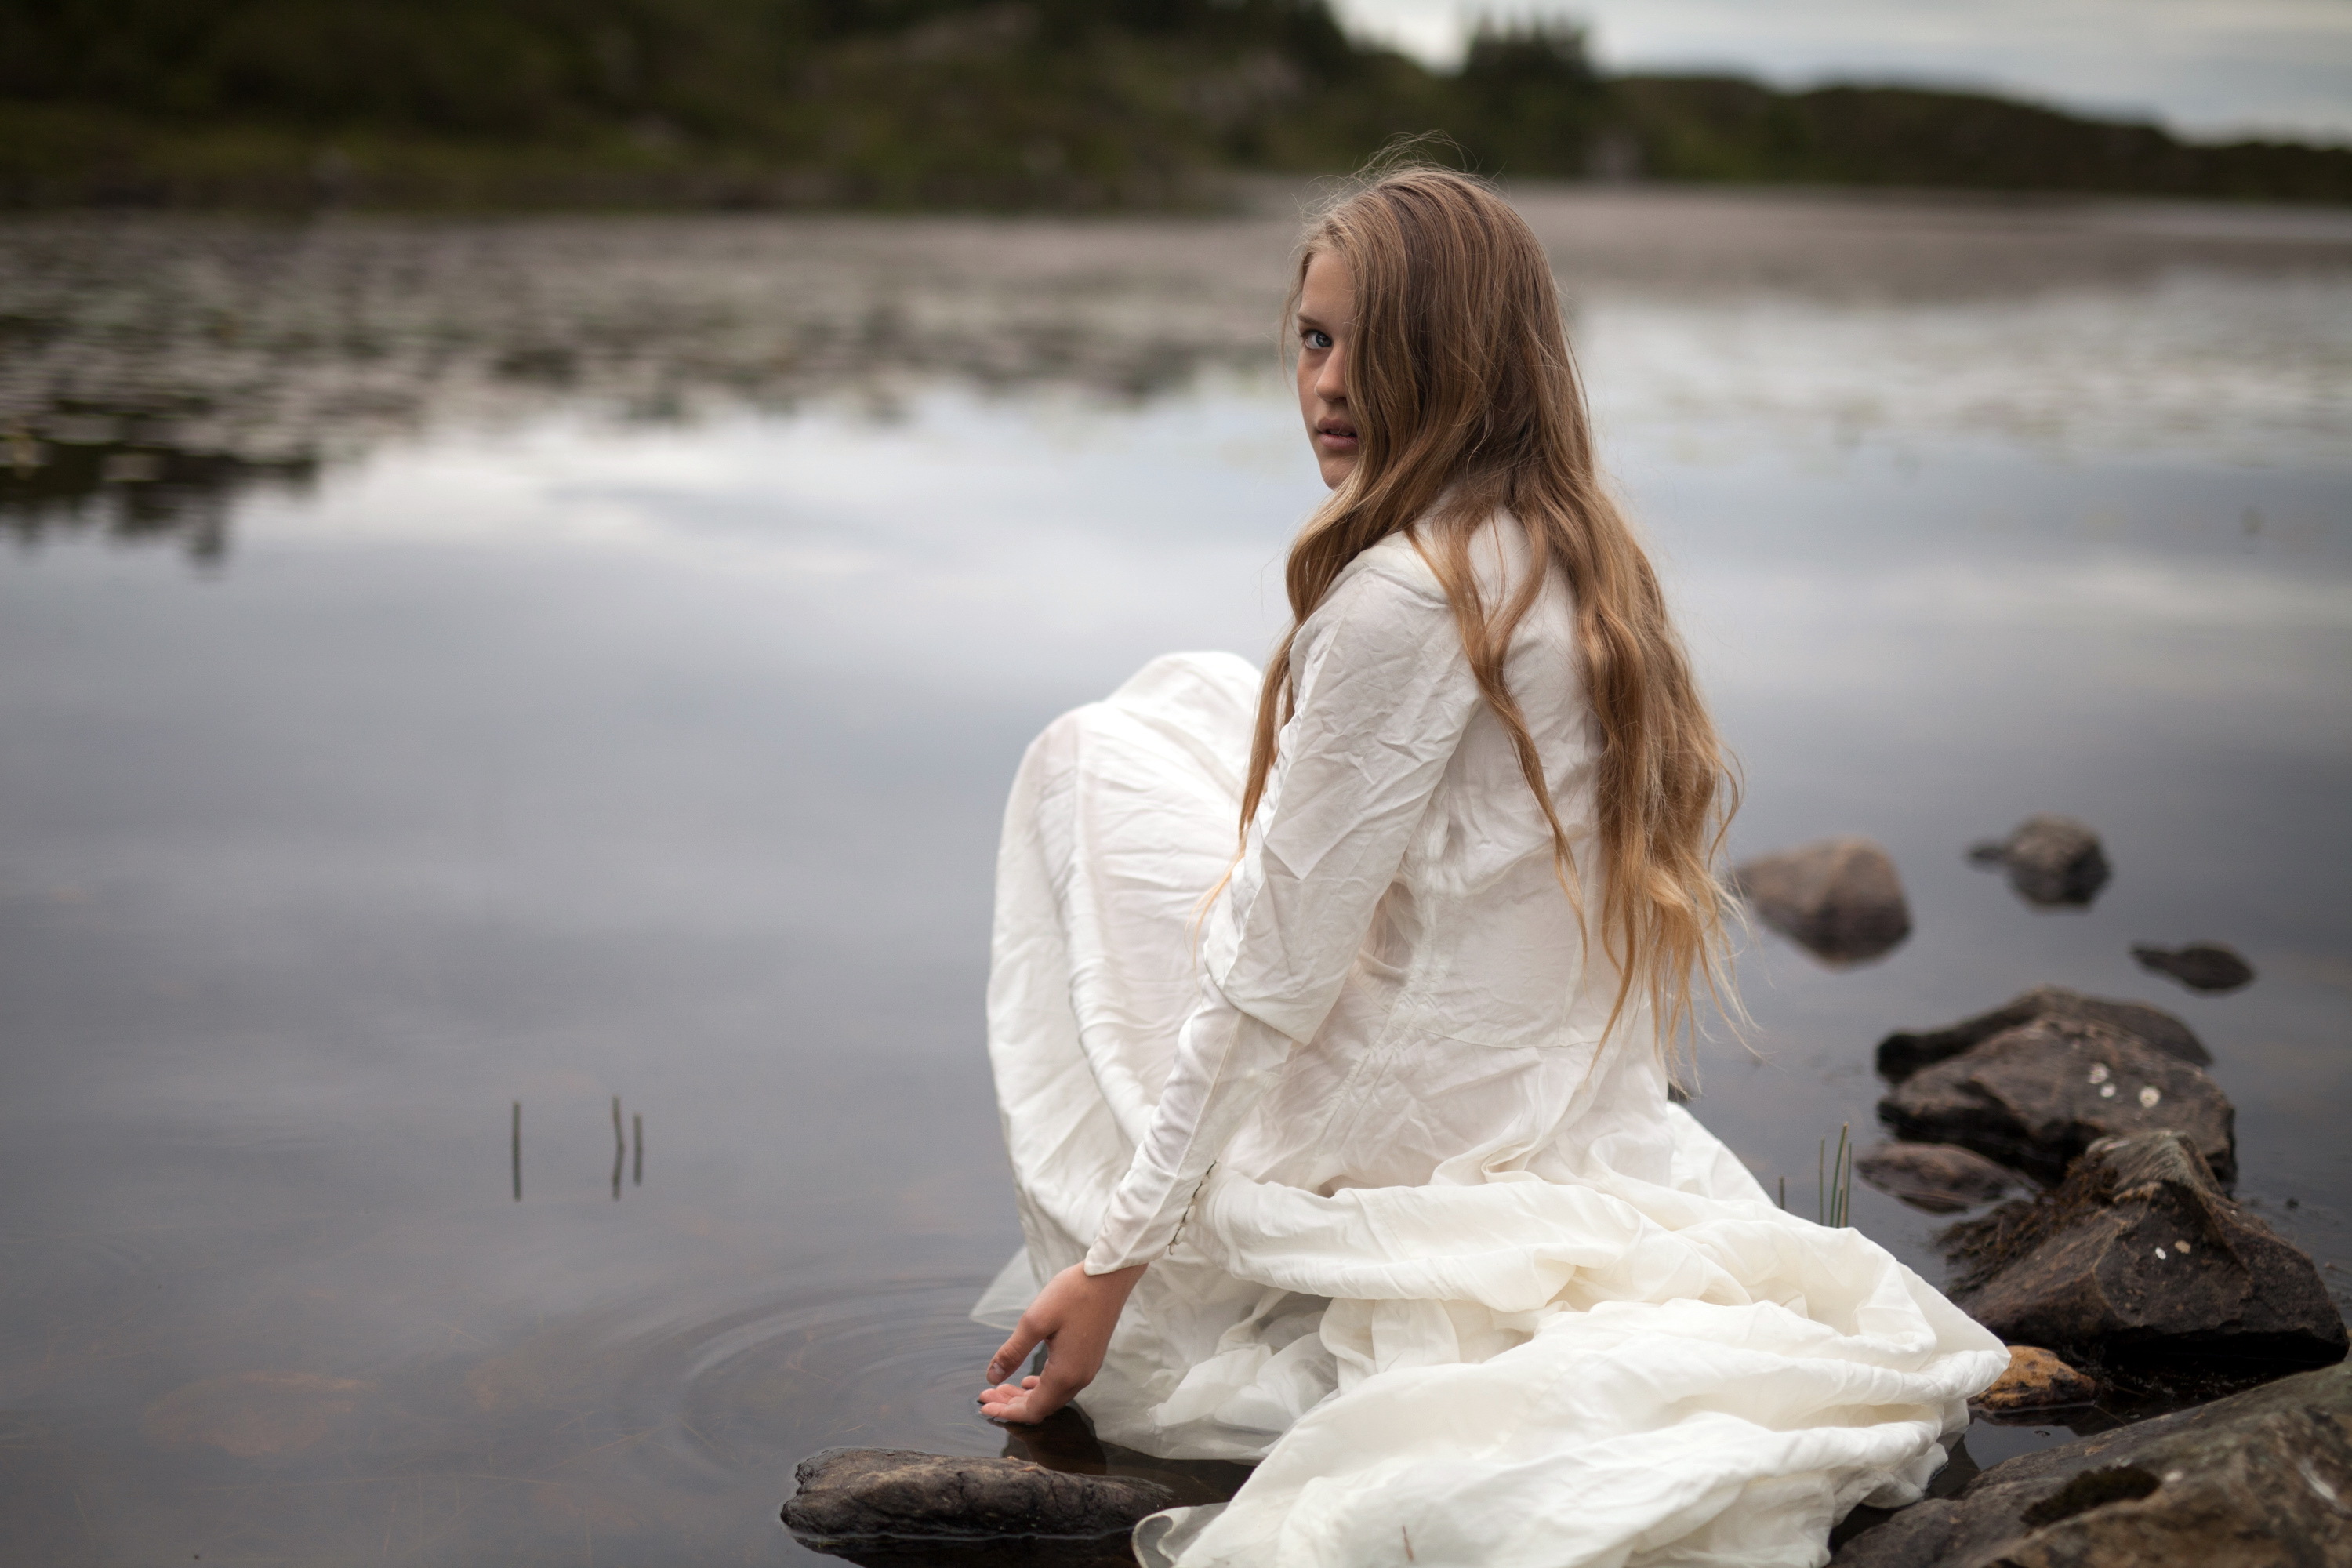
(1352, 1154)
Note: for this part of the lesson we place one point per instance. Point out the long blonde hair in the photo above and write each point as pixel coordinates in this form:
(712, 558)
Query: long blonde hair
(1466, 401)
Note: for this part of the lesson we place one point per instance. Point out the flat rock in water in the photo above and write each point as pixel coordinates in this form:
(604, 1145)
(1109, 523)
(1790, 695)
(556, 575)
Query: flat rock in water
(2258, 1480)
(2035, 1381)
(876, 1505)
(1838, 898)
(1941, 1178)
(2051, 859)
(2139, 1257)
(1905, 1052)
(2034, 1097)
(2200, 965)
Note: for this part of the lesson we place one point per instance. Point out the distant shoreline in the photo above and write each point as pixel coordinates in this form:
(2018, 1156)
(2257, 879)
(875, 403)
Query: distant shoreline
(262, 173)
(967, 105)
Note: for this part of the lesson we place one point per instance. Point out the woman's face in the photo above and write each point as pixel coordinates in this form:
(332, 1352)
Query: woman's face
(1326, 324)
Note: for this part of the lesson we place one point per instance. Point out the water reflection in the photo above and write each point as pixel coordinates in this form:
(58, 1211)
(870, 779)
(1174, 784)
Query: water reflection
(158, 368)
(69, 469)
(155, 367)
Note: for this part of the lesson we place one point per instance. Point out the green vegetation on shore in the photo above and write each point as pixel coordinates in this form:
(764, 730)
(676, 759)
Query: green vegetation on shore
(1057, 103)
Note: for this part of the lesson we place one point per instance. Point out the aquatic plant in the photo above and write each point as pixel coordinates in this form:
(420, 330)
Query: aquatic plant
(1834, 1176)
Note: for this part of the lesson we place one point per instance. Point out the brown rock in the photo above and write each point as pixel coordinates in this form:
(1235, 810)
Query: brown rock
(1904, 1053)
(2035, 1381)
(2258, 1480)
(2051, 859)
(2138, 1257)
(878, 1505)
(2200, 965)
(1839, 898)
(1941, 1178)
(2036, 1096)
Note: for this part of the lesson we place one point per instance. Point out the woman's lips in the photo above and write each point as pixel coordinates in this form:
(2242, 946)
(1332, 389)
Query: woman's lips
(1337, 435)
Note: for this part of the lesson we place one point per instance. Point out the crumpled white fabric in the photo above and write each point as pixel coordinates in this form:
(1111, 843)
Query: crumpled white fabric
(1467, 1285)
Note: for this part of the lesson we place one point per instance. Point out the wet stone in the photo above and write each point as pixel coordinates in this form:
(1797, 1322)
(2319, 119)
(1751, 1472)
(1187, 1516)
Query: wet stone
(2036, 1381)
(1838, 898)
(2051, 859)
(2200, 965)
(1905, 1052)
(1940, 1178)
(890, 1506)
(2035, 1097)
(2257, 1480)
(2138, 1258)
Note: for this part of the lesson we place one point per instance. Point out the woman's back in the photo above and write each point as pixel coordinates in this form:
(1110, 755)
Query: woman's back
(1468, 1034)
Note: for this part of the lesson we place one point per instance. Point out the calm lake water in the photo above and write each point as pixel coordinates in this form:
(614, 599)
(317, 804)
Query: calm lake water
(450, 665)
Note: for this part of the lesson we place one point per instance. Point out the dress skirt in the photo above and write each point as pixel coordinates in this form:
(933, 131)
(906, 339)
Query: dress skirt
(1619, 1353)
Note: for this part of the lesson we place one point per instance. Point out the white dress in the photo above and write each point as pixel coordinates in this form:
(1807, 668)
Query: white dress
(1461, 1279)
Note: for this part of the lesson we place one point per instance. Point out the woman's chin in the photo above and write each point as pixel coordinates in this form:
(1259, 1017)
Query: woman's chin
(1336, 467)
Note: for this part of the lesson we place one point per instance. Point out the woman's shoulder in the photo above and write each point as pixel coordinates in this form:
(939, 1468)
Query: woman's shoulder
(1390, 571)
(1398, 566)
(1385, 604)
(1386, 597)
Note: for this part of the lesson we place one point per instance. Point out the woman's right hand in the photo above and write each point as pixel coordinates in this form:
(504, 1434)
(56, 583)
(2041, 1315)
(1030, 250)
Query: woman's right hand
(1073, 1317)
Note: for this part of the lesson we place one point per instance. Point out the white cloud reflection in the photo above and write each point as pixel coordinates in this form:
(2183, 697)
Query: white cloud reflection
(2137, 488)
(975, 547)
(2200, 366)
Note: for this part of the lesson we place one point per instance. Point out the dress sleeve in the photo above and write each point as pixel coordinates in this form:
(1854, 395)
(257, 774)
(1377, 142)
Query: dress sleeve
(1385, 693)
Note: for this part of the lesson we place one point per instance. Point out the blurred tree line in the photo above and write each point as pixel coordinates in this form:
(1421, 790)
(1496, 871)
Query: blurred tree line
(993, 103)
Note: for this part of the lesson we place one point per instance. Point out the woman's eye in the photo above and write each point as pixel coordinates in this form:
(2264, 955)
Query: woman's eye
(1316, 340)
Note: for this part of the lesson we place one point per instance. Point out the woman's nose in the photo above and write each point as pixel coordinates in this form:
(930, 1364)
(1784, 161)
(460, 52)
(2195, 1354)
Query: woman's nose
(1331, 383)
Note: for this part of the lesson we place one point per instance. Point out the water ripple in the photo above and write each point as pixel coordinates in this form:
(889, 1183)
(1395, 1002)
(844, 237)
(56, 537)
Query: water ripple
(875, 1362)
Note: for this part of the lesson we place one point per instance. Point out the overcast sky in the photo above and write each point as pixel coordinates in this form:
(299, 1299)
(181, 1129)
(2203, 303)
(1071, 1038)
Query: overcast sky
(2202, 68)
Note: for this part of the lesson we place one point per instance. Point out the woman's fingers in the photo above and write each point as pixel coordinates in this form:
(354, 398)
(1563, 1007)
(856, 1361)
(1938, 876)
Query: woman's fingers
(1034, 1400)
(993, 1402)
(1052, 1392)
(1008, 1359)
(1008, 1404)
